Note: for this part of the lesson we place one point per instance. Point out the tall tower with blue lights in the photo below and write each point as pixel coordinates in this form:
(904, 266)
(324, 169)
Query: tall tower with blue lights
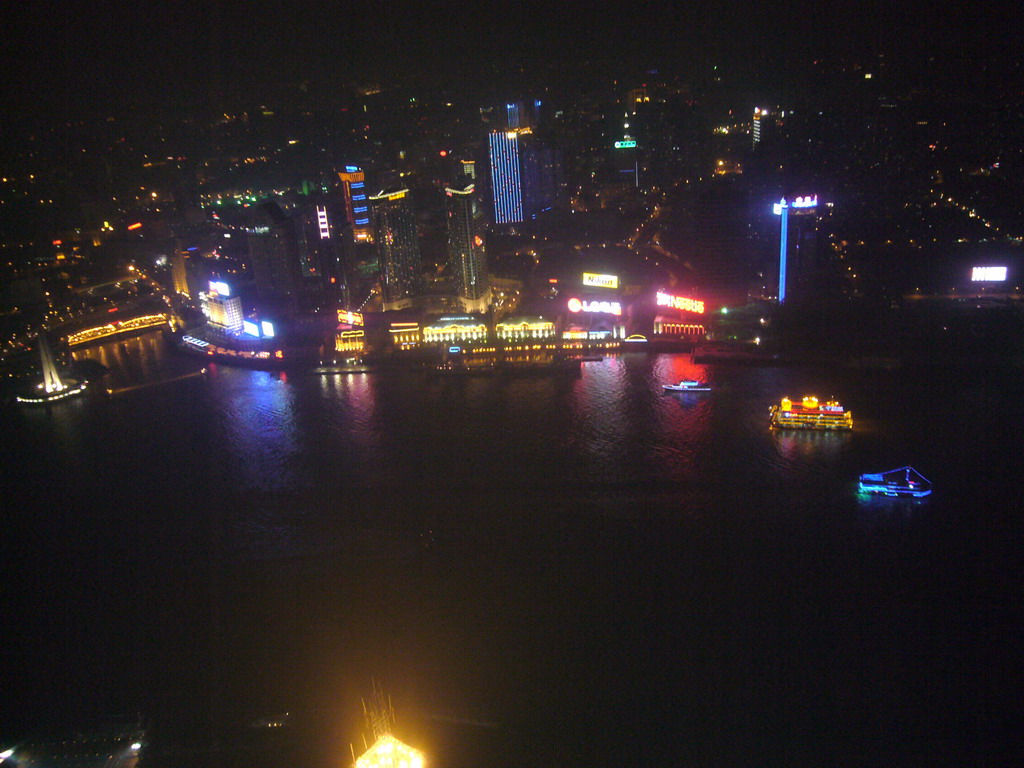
(353, 185)
(506, 176)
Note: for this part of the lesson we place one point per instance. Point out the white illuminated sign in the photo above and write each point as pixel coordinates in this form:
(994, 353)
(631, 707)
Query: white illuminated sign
(601, 281)
(251, 328)
(810, 201)
(988, 274)
(220, 288)
(268, 329)
(321, 217)
(679, 302)
(603, 307)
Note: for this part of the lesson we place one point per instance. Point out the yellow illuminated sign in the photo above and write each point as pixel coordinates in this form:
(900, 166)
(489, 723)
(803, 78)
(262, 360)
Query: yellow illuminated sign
(352, 318)
(600, 281)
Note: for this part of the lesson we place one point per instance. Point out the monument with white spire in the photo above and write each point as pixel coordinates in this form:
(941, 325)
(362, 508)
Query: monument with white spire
(53, 386)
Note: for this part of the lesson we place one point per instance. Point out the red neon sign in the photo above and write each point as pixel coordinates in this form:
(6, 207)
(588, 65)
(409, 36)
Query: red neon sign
(679, 302)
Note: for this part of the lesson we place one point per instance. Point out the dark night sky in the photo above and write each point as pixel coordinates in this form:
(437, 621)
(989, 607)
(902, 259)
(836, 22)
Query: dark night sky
(62, 55)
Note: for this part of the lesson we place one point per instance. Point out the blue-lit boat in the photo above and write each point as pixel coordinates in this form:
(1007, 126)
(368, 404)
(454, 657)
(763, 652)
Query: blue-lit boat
(905, 481)
(687, 385)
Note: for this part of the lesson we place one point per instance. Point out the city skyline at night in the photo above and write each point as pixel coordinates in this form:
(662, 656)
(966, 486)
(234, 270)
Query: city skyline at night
(504, 359)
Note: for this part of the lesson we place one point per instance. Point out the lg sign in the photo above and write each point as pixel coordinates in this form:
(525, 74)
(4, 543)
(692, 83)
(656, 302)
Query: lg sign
(603, 307)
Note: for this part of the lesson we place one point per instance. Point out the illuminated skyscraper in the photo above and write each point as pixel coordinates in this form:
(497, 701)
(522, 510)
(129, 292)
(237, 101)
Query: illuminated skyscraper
(506, 181)
(223, 311)
(398, 247)
(525, 175)
(179, 274)
(467, 257)
(356, 203)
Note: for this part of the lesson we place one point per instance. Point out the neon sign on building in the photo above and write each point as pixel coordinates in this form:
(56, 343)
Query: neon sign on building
(679, 302)
(602, 307)
(352, 318)
(321, 216)
(600, 281)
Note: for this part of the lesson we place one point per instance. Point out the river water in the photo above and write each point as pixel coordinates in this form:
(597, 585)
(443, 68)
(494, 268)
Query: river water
(549, 570)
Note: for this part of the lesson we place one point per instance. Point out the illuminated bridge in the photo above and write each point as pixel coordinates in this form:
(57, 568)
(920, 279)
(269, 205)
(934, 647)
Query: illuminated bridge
(117, 327)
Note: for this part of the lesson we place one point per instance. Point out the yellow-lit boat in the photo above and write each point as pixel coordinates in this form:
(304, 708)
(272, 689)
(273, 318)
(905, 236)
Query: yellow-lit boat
(809, 414)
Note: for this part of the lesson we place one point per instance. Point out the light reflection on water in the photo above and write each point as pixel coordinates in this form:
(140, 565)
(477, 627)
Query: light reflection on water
(526, 530)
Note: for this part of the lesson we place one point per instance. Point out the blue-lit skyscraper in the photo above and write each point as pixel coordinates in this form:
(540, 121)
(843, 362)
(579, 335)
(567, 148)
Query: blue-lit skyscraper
(506, 181)
(357, 205)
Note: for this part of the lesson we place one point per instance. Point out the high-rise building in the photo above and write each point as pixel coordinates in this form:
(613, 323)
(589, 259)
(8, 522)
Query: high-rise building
(525, 175)
(222, 309)
(506, 181)
(467, 256)
(353, 184)
(179, 274)
(398, 247)
(759, 114)
(274, 252)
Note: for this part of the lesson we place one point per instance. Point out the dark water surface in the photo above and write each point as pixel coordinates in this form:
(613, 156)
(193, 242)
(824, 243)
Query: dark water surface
(552, 571)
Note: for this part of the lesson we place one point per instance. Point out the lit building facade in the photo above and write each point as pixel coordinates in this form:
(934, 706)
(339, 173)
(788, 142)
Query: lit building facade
(349, 340)
(349, 335)
(223, 311)
(179, 274)
(525, 175)
(756, 130)
(462, 328)
(405, 335)
(506, 181)
(398, 248)
(522, 328)
(467, 256)
(357, 204)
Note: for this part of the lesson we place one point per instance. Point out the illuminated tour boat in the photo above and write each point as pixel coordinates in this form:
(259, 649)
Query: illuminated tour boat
(687, 385)
(810, 414)
(905, 481)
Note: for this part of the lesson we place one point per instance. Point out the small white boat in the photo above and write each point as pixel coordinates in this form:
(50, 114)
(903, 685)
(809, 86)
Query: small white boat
(687, 385)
